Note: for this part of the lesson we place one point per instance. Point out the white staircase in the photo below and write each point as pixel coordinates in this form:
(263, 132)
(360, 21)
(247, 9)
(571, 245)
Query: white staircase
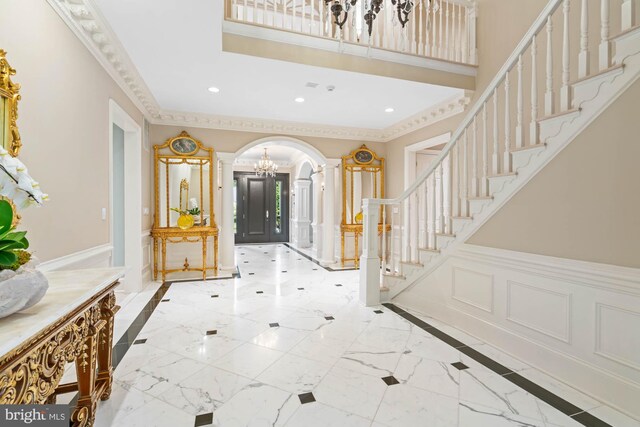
(524, 118)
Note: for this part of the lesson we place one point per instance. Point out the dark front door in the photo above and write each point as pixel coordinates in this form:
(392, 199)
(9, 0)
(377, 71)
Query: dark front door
(262, 208)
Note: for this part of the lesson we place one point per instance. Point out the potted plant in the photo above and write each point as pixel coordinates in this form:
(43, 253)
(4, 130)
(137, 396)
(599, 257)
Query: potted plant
(21, 285)
(186, 220)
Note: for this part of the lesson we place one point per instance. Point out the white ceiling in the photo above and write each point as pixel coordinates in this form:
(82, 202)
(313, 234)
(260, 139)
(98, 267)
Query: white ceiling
(176, 47)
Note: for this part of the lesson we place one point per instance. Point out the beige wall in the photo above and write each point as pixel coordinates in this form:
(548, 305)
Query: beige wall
(64, 122)
(585, 203)
(500, 27)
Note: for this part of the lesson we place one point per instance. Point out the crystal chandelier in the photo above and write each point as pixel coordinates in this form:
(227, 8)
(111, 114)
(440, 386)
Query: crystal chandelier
(265, 166)
(340, 10)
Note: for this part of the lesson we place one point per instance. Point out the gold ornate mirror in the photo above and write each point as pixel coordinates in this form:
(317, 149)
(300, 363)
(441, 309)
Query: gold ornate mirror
(184, 201)
(362, 178)
(9, 97)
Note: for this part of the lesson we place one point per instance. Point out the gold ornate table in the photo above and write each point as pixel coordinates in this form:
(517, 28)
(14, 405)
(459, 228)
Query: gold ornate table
(162, 235)
(72, 323)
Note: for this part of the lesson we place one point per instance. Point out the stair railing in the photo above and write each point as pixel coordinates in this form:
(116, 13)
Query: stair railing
(436, 28)
(502, 121)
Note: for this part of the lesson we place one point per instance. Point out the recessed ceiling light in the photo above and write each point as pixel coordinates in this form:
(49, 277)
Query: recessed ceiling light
(299, 99)
(388, 110)
(214, 89)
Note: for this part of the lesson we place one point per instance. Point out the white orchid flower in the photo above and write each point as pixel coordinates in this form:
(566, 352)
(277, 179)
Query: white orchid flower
(16, 183)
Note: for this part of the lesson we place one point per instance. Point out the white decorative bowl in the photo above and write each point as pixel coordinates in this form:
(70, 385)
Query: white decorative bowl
(21, 289)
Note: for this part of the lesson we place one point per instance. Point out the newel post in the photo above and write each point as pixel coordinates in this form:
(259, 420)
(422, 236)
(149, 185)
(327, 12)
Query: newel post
(370, 261)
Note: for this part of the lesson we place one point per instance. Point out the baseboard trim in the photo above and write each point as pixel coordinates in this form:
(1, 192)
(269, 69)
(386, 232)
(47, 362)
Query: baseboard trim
(81, 259)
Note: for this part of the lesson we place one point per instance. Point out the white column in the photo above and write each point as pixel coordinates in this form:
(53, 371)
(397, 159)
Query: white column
(328, 216)
(369, 261)
(316, 225)
(227, 239)
(302, 213)
(628, 14)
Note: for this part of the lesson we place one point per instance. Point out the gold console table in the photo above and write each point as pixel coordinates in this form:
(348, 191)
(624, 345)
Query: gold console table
(195, 234)
(72, 323)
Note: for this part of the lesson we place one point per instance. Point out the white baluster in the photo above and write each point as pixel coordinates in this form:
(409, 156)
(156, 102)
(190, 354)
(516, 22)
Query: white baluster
(415, 257)
(507, 126)
(392, 243)
(485, 154)
(465, 179)
(565, 89)
(474, 159)
(448, 206)
(425, 231)
(245, 10)
(427, 30)
(549, 106)
(473, 50)
(420, 25)
(519, 107)
(407, 234)
(461, 9)
(432, 216)
(583, 56)
(446, 46)
(384, 237)
(458, 175)
(264, 12)
(496, 148)
(441, 218)
(440, 38)
(303, 19)
(434, 49)
(605, 46)
(533, 126)
(628, 14)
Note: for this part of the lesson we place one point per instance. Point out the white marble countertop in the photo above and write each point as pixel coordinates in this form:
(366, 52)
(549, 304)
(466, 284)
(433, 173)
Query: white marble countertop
(67, 291)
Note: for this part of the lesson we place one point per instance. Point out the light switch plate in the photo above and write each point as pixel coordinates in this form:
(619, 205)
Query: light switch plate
(104, 214)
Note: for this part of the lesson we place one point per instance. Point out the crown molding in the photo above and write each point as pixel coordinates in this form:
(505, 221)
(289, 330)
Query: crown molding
(88, 24)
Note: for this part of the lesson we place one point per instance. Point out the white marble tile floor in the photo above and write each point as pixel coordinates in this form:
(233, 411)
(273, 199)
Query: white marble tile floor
(285, 346)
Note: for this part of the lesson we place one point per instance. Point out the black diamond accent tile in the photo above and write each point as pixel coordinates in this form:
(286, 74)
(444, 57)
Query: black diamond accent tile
(391, 380)
(212, 332)
(266, 252)
(378, 311)
(142, 341)
(242, 253)
(338, 284)
(259, 292)
(273, 260)
(306, 398)
(301, 289)
(246, 262)
(251, 274)
(284, 271)
(314, 269)
(165, 300)
(274, 325)
(328, 318)
(587, 419)
(204, 420)
(459, 365)
(214, 296)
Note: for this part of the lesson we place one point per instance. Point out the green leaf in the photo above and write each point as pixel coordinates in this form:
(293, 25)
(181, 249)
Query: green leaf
(25, 243)
(6, 216)
(15, 235)
(7, 259)
(8, 245)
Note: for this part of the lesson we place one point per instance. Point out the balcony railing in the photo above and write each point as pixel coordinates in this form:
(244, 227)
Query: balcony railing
(436, 29)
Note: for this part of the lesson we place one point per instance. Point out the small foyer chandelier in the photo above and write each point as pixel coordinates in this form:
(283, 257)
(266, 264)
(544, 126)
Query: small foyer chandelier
(265, 166)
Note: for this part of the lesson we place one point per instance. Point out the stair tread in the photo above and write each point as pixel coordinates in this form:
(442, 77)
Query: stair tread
(502, 175)
(436, 251)
(560, 114)
(529, 147)
(598, 74)
(415, 264)
(625, 32)
(395, 276)
(480, 198)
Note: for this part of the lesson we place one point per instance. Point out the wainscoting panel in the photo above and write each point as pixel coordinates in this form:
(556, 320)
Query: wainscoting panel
(610, 321)
(472, 288)
(574, 320)
(542, 310)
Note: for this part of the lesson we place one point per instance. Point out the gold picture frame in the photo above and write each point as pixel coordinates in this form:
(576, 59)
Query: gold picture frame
(9, 97)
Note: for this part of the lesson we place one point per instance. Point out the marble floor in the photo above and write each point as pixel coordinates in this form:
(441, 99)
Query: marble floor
(288, 344)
